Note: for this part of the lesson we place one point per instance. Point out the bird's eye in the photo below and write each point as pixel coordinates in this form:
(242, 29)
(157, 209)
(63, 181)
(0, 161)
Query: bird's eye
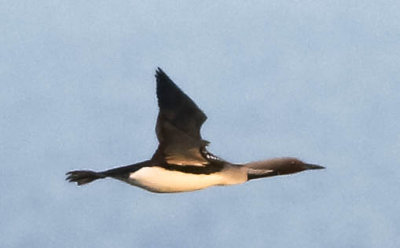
(292, 162)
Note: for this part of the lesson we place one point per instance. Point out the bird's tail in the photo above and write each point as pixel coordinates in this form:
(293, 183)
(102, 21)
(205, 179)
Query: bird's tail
(83, 176)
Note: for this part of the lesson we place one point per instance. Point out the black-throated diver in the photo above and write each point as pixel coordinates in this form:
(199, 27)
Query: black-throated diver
(181, 162)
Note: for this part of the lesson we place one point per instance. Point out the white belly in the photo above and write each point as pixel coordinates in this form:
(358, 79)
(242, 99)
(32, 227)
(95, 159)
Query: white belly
(157, 179)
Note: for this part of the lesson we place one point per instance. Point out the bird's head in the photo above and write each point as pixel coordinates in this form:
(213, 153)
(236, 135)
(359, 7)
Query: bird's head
(278, 166)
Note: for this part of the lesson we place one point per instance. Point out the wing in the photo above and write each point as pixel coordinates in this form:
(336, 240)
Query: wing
(177, 108)
(178, 125)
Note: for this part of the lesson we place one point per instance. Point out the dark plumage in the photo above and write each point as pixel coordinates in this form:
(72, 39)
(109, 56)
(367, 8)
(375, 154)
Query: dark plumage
(181, 161)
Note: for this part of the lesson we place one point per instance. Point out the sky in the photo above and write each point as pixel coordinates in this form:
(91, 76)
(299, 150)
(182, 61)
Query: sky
(317, 80)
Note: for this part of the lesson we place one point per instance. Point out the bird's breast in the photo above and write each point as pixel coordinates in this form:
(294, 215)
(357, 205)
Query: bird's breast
(161, 180)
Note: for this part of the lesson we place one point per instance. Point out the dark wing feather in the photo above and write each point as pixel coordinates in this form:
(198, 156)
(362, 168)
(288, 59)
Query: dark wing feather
(176, 107)
(178, 125)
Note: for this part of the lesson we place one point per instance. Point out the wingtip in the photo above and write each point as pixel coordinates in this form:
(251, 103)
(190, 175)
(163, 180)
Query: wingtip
(160, 72)
(162, 77)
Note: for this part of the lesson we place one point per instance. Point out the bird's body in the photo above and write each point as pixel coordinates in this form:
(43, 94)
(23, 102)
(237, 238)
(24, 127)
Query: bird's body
(182, 162)
(161, 180)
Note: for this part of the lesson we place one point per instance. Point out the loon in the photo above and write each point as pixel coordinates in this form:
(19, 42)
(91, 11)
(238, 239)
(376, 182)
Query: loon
(181, 162)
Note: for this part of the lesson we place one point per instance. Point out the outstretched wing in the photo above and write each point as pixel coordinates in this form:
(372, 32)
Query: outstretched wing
(178, 125)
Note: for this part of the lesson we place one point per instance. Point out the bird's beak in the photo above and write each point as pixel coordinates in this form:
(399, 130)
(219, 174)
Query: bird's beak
(313, 167)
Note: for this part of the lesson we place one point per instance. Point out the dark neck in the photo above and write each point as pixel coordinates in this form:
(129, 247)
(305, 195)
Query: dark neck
(254, 174)
(273, 167)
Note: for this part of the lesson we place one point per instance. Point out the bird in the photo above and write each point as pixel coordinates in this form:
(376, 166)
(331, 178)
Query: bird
(181, 162)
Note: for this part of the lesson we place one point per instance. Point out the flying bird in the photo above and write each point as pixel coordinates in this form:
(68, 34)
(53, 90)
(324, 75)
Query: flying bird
(182, 162)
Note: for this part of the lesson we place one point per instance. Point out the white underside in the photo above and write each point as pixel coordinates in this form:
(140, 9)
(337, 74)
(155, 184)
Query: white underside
(157, 179)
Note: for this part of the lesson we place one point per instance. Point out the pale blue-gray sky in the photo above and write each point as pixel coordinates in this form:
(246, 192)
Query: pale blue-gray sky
(318, 80)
